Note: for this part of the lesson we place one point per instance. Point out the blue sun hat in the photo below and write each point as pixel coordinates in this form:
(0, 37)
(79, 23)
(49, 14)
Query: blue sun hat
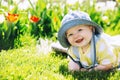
(75, 18)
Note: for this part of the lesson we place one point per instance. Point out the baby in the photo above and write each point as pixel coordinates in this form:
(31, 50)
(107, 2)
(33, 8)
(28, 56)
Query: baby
(88, 47)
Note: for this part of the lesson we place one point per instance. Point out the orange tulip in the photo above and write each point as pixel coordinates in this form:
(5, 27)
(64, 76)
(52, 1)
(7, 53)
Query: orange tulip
(55, 19)
(12, 17)
(34, 19)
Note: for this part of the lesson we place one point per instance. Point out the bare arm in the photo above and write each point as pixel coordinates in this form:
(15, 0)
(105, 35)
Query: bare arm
(72, 66)
(103, 67)
(99, 68)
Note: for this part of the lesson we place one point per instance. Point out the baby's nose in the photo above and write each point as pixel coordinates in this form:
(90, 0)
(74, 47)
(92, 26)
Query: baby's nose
(76, 35)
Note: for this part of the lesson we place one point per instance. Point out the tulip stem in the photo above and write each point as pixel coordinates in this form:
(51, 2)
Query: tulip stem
(32, 6)
(0, 2)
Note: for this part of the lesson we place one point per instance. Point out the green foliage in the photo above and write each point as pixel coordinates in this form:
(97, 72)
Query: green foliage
(27, 64)
(24, 40)
(50, 14)
(113, 25)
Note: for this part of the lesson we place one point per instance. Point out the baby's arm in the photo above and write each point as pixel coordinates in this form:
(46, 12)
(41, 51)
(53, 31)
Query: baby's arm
(72, 66)
(103, 67)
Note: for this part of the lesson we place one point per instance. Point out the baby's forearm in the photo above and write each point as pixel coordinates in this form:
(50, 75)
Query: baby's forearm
(103, 67)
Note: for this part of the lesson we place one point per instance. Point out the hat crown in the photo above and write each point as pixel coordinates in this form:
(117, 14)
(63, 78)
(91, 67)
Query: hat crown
(75, 15)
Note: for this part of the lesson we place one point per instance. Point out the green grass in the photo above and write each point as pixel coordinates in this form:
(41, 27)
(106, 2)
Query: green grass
(27, 64)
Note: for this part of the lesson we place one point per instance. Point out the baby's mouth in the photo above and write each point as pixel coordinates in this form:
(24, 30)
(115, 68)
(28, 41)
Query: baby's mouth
(79, 40)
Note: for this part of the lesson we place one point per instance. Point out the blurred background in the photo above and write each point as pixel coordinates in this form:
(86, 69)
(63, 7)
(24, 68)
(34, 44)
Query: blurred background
(27, 22)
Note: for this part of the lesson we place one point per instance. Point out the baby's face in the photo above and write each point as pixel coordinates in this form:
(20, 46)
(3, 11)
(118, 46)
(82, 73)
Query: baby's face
(79, 35)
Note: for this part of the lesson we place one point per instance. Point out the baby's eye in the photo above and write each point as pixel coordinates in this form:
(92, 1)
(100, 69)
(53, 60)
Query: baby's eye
(69, 35)
(79, 29)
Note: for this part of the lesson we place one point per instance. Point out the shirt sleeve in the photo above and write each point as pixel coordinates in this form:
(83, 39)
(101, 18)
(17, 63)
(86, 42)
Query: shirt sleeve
(105, 54)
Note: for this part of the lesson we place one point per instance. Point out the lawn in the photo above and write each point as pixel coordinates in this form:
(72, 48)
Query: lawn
(26, 63)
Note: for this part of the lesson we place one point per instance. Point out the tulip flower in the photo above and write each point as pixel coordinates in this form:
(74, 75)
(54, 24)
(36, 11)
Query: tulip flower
(12, 17)
(55, 19)
(34, 19)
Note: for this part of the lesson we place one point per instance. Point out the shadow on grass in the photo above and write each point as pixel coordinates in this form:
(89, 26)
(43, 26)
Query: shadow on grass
(93, 75)
(60, 54)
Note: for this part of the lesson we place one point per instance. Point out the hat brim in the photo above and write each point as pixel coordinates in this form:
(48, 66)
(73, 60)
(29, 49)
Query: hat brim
(61, 34)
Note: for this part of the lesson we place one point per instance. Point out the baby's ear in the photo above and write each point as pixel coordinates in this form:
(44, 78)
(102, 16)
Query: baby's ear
(92, 28)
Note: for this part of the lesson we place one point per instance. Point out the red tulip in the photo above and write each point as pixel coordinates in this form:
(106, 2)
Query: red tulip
(34, 19)
(12, 17)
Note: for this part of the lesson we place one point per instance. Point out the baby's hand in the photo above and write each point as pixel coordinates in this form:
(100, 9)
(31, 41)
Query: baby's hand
(91, 69)
(83, 69)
